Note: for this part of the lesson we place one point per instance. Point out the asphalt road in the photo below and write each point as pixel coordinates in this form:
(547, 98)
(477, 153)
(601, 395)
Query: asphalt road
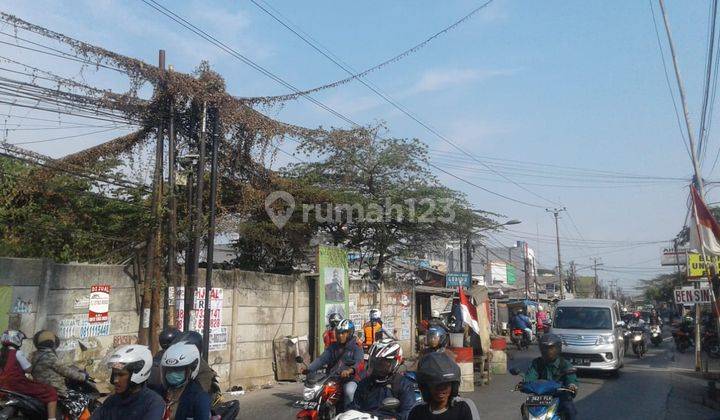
(662, 385)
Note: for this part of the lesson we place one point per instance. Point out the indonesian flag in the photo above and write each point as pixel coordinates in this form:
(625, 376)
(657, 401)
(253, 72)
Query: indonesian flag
(469, 313)
(704, 229)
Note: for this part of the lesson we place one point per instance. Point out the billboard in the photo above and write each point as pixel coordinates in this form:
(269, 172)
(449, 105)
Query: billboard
(697, 265)
(672, 258)
(333, 286)
(501, 272)
(689, 296)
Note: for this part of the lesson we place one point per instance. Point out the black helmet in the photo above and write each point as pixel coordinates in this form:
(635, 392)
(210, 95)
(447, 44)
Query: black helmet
(46, 339)
(437, 337)
(549, 340)
(167, 336)
(191, 337)
(435, 369)
(334, 319)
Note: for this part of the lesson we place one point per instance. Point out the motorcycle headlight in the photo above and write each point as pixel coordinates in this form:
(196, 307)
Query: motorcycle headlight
(309, 393)
(637, 338)
(605, 339)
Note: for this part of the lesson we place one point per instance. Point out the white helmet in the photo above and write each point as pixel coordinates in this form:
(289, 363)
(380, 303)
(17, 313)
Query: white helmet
(135, 358)
(180, 355)
(540, 308)
(386, 350)
(375, 314)
(435, 313)
(13, 338)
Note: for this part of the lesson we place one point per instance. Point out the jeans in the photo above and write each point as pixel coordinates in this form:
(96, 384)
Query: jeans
(349, 388)
(567, 406)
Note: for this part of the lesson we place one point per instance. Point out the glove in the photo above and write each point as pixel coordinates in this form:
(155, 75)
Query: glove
(304, 371)
(346, 373)
(573, 388)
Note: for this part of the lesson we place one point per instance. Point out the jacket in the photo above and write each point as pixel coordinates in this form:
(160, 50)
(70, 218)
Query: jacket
(340, 357)
(555, 371)
(143, 405)
(207, 379)
(369, 396)
(194, 403)
(46, 368)
(520, 321)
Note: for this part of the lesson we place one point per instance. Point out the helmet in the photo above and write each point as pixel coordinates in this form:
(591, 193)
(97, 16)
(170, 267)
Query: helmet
(540, 308)
(135, 358)
(375, 314)
(436, 338)
(46, 339)
(180, 355)
(192, 337)
(384, 359)
(435, 314)
(549, 340)
(345, 326)
(435, 369)
(334, 319)
(167, 336)
(13, 338)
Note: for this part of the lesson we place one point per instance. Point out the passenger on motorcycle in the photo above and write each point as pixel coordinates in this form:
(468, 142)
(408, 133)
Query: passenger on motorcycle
(439, 381)
(436, 340)
(373, 330)
(130, 366)
(166, 337)
(521, 321)
(14, 365)
(206, 377)
(184, 396)
(46, 367)
(344, 356)
(383, 381)
(329, 335)
(551, 366)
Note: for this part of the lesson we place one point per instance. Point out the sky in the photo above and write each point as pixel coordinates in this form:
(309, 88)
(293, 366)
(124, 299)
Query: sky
(533, 89)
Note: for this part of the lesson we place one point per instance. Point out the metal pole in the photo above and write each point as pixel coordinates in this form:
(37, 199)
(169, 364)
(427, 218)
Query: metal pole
(197, 226)
(693, 156)
(525, 268)
(468, 256)
(172, 277)
(211, 230)
(556, 213)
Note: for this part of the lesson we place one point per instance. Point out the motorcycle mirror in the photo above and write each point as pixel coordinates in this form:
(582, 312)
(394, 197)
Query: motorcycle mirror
(299, 359)
(390, 404)
(514, 371)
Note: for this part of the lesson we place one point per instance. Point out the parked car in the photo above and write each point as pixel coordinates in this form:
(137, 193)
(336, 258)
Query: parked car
(592, 333)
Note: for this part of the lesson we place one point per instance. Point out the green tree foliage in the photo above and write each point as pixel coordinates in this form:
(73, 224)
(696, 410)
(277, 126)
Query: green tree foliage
(45, 214)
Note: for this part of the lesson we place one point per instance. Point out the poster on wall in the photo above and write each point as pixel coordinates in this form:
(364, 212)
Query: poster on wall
(197, 318)
(99, 303)
(333, 286)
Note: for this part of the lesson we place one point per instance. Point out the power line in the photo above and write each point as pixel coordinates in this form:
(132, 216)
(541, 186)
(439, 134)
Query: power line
(75, 136)
(702, 134)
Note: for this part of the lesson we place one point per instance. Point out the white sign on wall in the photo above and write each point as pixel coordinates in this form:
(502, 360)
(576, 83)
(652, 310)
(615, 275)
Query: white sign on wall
(690, 296)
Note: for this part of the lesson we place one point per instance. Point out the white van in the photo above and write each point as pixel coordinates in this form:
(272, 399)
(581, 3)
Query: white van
(592, 333)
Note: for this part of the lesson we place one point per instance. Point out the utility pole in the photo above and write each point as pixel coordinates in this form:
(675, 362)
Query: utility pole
(197, 226)
(211, 230)
(556, 213)
(525, 269)
(595, 268)
(693, 156)
(172, 274)
(468, 255)
(573, 278)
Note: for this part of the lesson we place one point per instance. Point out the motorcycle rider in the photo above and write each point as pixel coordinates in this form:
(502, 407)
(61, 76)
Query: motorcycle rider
(206, 377)
(46, 367)
(551, 366)
(436, 320)
(436, 340)
(373, 330)
(13, 367)
(439, 381)
(383, 381)
(166, 337)
(521, 321)
(183, 394)
(541, 319)
(130, 366)
(344, 356)
(329, 334)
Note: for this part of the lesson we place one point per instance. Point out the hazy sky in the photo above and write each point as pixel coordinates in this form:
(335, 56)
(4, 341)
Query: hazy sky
(563, 84)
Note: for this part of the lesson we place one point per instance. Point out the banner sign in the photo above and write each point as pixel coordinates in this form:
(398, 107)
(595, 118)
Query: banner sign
(690, 296)
(672, 258)
(333, 287)
(99, 303)
(455, 279)
(697, 266)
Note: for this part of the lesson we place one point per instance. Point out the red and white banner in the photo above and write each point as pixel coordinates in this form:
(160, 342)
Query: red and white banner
(469, 312)
(704, 229)
(99, 303)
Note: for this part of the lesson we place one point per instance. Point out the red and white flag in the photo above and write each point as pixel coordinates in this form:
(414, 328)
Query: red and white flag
(469, 313)
(704, 229)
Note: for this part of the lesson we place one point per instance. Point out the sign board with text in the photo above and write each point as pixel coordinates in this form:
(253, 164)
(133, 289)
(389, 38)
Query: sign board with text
(99, 303)
(671, 257)
(690, 296)
(455, 279)
(697, 265)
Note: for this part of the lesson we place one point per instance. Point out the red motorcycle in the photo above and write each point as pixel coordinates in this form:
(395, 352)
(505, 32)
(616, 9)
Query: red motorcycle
(322, 395)
(519, 338)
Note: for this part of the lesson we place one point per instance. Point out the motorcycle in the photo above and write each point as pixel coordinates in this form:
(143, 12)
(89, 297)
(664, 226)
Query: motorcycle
(656, 335)
(81, 401)
(388, 405)
(543, 399)
(519, 338)
(638, 341)
(711, 344)
(683, 340)
(322, 395)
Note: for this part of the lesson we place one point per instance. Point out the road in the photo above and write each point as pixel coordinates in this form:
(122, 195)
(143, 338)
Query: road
(660, 386)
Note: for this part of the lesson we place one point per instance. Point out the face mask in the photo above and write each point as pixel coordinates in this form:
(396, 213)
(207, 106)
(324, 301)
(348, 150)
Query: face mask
(175, 378)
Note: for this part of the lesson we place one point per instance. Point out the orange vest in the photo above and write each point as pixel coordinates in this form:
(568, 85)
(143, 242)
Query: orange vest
(370, 330)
